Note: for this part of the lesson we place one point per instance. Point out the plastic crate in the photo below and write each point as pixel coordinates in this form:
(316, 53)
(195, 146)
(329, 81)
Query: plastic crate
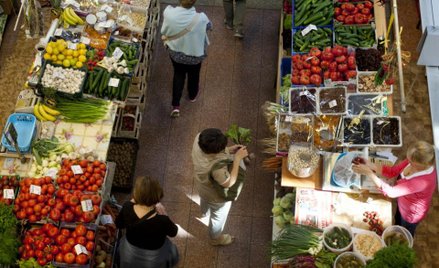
(301, 28)
(378, 120)
(62, 93)
(136, 119)
(368, 121)
(293, 2)
(359, 74)
(25, 125)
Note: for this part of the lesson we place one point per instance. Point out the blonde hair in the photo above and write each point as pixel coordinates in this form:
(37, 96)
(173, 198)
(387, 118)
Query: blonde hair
(187, 3)
(422, 153)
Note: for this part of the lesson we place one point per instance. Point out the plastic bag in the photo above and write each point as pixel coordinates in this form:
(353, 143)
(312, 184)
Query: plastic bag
(356, 131)
(342, 173)
(283, 124)
(325, 128)
(387, 131)
(302, 129)
(332, 100)
(303, 160)
(365, 104)
(303, 100)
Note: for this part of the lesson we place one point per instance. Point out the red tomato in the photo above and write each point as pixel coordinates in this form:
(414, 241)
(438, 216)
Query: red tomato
(316, 79)
(305, 72)
(89, 216)
(42, 261)
(83, 163)
(59, 257)
(316, 70)
(69, 258)
(326, 75)
(333, 76)
(349, 7)
(365, 11)
(80, 230)
(343, 67)
(81, 259)
(295, 79)
(66, 247)
(340, 59)
(368, 4)
(90, 246)
(96, 163)
(304, 80)
(337, 11)
(351, 74)
(333, 66)
(81, 240)
(54, 250)
(360, 18)
(53, 231)
(360, 6)
(340, 18)
(315, 51)
(315, 61)
(90, 235)
(68, 215)
(65, 232)
(61, 240)
(349, 19)
(306, 65)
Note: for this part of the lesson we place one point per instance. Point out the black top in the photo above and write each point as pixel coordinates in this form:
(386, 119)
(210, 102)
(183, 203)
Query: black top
(143, 232)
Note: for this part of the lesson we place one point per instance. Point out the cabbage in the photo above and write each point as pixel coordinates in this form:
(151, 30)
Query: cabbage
(288, 215)
(280, 221)
(277, 210)
(286, 202)
(276, 201)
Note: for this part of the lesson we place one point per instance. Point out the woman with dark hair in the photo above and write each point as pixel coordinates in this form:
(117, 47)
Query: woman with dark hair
(146, 243)
(184, 32)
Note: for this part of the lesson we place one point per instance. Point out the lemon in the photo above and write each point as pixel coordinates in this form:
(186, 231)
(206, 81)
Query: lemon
(58, 62)
(79, 64)
(66, 63)
(47, 56)
(69, 52)
(81, 46)
(82, 58)
(82, 52)
(49, 49)
(73, 62)
(69, 57)
(55, 51)
(75, 54)
(61, 57)
(54, 57)
(59, 41)
(61, 47)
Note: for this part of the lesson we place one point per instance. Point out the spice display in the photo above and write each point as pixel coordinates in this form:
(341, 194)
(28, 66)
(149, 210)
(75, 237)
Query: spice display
(368, 59)
(386, 131)
(356, 131)
(303, 101)
(365, 104)
(325, 128)
(301, 129)
(302, 161)
(332, 100)
(367, 244)
(366, 83)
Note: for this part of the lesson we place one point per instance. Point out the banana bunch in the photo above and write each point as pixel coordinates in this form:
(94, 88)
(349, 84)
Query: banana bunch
(44, 112)
(70, 18)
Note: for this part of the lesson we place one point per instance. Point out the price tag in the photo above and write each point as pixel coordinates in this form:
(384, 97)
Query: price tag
(303, 93)
(332, 103)
(106, 8)
(86, 205)
(114, 82)
(76, 169)
(85, 40)
(35, 189)
(9, 194)
(380, 122)
(117, 53)
(308, 29)
(58, 32)
(80, 249)
(134, 40)
(288, 118)
(51, 172)
(71, 45)
(106, 219)
(109, 24)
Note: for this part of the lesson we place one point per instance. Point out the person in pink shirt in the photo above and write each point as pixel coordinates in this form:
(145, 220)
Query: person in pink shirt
(415, 185)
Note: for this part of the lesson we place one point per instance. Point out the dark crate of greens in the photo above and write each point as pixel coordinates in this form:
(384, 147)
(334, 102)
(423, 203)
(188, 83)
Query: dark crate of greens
(368, 59)
(356, 131)
(124, 153)
(319, 13)
(386, 131)
(304, 39)
(303, 100)
(366, 104)
(332, 100)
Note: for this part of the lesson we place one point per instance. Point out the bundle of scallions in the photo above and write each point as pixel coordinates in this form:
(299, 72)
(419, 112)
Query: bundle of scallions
(296, 239)
(84, 110)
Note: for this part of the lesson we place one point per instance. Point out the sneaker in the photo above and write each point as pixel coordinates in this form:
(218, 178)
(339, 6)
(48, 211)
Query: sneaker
(228, 26)
(239, 34)
(223, 240)
(194, 99)
(175, 112)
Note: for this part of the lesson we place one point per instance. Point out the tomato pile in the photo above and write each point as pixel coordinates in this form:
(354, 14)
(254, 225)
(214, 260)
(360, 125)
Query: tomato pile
(68, 239)
(91, 179)
(69, 206)
(8, 182)
(38, 244)
(306, 68)
(349, 13)
(337, 64)
(32, 206)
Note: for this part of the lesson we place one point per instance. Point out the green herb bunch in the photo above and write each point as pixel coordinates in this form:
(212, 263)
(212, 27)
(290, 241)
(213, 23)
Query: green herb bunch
(239, 135)
(394, 256)
(8, 235)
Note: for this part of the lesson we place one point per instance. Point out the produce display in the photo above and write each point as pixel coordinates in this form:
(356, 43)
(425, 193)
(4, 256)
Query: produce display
(349, 260)
(8, 188)
(303, 101)
(106, 237)
(350, 13)
(122, 55)
(368, 59)
(124, 154)
(45, 113)
(63, 79)
(366, 83)
(322, 37)
(395, 255)
(81, 175)
(283, 210)
(355, 36)
(84, 110)
(105, 84)
(356, 131)
(332, 100)
(307, 12)
(76, 206)
(337, 238)
(9, 236)
(39, 243)
(302, 160)
(306, 69)
(386, 131)
(132, 17)
(35, 199)
(93, 57)
(70, 18)
(367, 244)
(338, 64)
(67, 54)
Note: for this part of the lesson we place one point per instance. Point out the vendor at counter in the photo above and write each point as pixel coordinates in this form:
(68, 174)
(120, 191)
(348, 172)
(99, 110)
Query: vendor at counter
(415, 185)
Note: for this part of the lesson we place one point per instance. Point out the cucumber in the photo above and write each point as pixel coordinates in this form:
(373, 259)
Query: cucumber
(96, 81)
(104, 84)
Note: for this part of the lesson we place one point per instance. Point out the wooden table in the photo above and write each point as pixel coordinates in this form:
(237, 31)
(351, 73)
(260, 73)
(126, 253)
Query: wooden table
(289, 180)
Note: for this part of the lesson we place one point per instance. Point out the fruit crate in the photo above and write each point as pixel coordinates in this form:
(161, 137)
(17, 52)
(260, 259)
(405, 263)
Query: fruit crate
(351, 9)
(124, 153)
(297, 8)
(71, 227)
(302, 33)
(130, 122)
(361, 36)
(9, 182)
(34, 236)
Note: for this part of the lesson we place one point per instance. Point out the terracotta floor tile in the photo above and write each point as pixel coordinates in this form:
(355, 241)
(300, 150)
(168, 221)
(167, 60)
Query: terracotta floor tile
(259, 255)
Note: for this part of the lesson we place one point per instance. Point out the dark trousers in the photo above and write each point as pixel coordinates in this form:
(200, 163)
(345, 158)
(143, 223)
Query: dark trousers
(193, 74)
(399, 220)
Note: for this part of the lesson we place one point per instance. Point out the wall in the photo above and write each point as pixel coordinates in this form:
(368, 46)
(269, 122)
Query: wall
(260, 4)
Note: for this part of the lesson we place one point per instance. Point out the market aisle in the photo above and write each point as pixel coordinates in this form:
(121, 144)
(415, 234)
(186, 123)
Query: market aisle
(236, 79)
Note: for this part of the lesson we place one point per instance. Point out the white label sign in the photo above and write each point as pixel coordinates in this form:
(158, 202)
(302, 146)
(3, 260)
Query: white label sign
(71, 45)
(114, 82)
(51, 172)
(303, 93)
(80, 249)
(332, 103)
(76, 169)
(106, 219)
(58, 32)
(117, 53)
(308, 29)
(9, 194)
(85, 40)
(288, 118)
(86, 205)
(35, 189)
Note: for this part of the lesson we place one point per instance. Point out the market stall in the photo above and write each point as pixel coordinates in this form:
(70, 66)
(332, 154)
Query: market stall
(85, 94)
(334, 93)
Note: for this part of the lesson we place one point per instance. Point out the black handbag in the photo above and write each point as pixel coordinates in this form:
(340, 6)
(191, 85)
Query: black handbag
(231, 193)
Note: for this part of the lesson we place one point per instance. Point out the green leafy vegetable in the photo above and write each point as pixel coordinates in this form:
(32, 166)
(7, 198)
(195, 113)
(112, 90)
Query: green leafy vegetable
(8, 235)
(32, 263)
(46, 147)
(239, 135)
(394, 256)
(285, 89)
(85, 110)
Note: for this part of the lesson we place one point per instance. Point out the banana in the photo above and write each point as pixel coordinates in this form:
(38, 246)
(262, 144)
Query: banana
(49, 110)
(65, 23)
(74, 16)
(67, 18)
(37, 113)
(45, 115)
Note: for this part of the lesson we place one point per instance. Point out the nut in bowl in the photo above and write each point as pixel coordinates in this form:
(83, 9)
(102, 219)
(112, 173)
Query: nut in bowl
(367, 244)
(396, 234)
(349, 260)
(337, 237)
